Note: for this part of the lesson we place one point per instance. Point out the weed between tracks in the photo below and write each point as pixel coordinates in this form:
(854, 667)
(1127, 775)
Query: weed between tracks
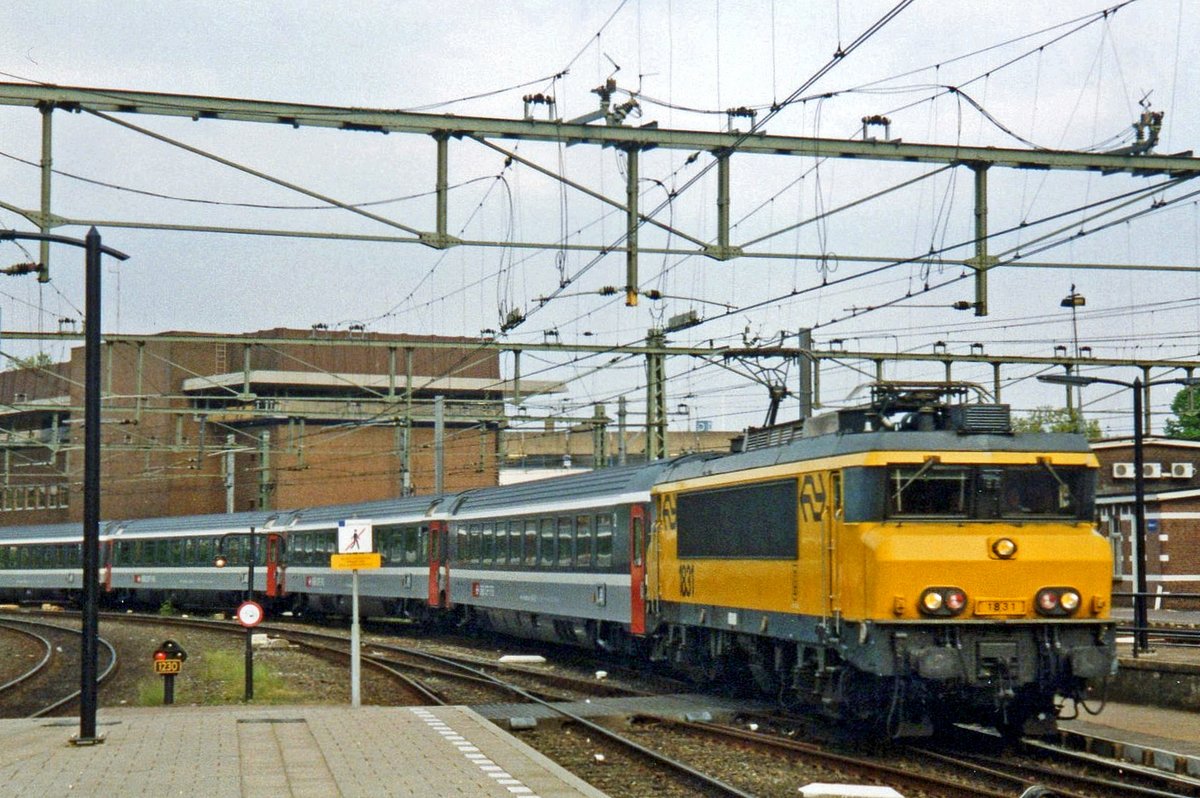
(219, 677)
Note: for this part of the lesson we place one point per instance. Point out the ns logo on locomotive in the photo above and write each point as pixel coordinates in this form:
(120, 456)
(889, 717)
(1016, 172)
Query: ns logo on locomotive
(908, 564)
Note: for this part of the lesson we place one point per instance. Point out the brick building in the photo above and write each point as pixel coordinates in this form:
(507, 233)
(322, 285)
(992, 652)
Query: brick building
(196, 423)
(1172, 509)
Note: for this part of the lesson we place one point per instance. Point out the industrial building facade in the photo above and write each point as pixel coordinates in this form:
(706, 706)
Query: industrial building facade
(195, 423)
(1172, 509)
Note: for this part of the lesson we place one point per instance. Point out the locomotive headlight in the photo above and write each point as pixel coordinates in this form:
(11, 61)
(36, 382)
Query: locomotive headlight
(1057, 600)
(943, 601)
(1004, 548)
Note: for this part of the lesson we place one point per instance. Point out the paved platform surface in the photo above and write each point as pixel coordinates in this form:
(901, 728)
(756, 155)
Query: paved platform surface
(304, 752)
(1168, 739)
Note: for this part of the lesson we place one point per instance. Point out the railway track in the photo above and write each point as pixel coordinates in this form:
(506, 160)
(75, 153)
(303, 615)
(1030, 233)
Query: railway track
(431, 678)
(38, 692)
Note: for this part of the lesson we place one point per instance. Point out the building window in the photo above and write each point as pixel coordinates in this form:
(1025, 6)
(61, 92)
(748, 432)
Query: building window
(1116, 541)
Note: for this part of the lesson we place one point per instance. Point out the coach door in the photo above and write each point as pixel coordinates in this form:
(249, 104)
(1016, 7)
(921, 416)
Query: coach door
(439, 565)
(274, 560)
(107, 559)
(637, 569)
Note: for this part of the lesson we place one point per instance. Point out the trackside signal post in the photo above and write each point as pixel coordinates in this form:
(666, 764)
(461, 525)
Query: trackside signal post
(355, 551)
(249, 612)
(168, 663)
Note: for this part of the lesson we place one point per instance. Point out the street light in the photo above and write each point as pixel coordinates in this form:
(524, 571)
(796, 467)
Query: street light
(93, 249)
(1141, 624)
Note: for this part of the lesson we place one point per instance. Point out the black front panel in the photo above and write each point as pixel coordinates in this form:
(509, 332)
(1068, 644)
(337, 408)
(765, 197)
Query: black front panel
(743, 522)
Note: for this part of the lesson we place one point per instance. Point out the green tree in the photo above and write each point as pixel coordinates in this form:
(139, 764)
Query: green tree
(35, 361)
(1057, 419)
(1186, 407)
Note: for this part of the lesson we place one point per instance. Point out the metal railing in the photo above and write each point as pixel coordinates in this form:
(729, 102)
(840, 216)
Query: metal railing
(1167, 634)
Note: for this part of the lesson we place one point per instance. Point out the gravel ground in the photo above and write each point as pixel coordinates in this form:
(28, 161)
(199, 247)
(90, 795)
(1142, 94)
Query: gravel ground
(21, 653)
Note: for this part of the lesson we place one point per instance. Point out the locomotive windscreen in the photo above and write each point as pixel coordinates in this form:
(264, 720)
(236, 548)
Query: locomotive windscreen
(743, 522)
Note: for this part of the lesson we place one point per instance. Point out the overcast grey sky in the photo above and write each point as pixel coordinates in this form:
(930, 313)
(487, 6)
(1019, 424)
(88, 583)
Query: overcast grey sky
(1050, 81)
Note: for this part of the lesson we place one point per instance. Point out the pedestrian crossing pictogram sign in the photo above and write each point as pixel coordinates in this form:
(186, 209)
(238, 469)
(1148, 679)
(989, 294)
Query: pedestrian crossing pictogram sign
(354, 537)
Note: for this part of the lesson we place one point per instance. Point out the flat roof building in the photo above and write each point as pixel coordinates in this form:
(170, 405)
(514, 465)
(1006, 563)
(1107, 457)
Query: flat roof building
(200, 423)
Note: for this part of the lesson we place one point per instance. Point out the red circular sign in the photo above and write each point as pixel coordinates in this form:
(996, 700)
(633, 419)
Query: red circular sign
(250, 613)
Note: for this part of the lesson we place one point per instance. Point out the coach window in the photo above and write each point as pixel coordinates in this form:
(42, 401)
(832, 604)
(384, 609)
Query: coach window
(639, 527)
(514, 542)
(604, 540)
(489, 544)
(502, 546)
(583, 541)
(410, 544)
(502, 543)
(531, 540)
(423, 544)
(405, 545)
(566, 531)
(475, 545)
(547, 544)
(206, 551)
(400, 538)
(461, 543)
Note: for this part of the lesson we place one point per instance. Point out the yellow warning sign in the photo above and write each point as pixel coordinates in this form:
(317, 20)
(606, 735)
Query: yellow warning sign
(355, 562)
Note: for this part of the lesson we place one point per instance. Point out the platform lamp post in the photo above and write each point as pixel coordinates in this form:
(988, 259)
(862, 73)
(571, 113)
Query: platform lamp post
(221, 561)
(93, 249)
(1141, 623)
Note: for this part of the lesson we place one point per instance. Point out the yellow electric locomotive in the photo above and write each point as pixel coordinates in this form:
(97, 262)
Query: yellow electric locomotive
(910, 563)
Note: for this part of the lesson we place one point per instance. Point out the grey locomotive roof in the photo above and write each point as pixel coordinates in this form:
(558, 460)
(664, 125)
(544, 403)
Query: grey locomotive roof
(603, 483)
(854, 443)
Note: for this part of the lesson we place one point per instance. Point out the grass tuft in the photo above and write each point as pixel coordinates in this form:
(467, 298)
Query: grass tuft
(219, 677)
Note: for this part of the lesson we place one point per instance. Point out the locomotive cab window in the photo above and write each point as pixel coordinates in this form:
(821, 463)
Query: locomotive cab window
(1001, 493)
(928, 489)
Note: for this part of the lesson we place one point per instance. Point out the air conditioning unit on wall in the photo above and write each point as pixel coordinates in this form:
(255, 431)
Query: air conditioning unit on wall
(1152, 470)
(1183, 470)
(1122, 470)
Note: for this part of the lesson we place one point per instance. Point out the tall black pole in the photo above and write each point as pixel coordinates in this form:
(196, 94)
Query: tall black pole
(91, 491)
(1141, 633)
(249, 629)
